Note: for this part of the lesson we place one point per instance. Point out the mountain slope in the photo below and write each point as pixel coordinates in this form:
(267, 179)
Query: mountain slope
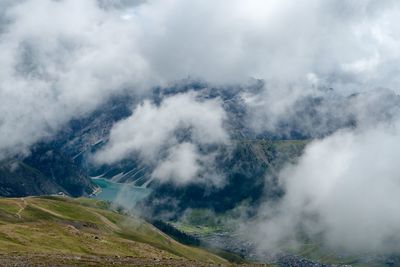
(61, 230)
(20, 179)
(45, 171)
(250, 168)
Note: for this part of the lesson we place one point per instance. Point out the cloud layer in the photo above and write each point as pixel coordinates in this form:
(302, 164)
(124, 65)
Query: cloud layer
(343, 194)
(60, 59)
(174, 128)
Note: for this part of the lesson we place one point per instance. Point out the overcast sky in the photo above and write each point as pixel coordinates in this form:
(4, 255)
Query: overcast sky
(61, 59)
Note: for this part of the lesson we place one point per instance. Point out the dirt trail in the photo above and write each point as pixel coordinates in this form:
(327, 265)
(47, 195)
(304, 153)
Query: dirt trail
(48, 211)
(21, 207)
(101, 217)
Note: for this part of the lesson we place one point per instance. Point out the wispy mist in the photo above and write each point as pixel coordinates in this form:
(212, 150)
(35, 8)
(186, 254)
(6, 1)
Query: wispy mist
(343, 194)
(61, 59)
(168, 135)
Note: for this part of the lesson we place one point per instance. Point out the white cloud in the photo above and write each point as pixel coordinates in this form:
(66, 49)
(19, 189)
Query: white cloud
(61, 59)
(342, 194)
(152, 129)
(181, 166)
(151, 132)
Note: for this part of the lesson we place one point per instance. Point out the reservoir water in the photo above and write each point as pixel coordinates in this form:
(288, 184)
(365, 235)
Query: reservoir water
(120, 193)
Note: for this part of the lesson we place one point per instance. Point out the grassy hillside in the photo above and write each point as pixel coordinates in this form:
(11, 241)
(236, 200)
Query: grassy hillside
(61, 230)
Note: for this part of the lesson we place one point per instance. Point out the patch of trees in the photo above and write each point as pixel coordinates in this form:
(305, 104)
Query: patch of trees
(178, 235)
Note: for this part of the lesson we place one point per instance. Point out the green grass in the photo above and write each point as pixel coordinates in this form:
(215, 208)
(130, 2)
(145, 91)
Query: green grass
(85, 227)
(197, 229)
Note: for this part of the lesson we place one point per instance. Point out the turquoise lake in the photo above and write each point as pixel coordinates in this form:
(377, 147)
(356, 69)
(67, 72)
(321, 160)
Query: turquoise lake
(120, 193)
